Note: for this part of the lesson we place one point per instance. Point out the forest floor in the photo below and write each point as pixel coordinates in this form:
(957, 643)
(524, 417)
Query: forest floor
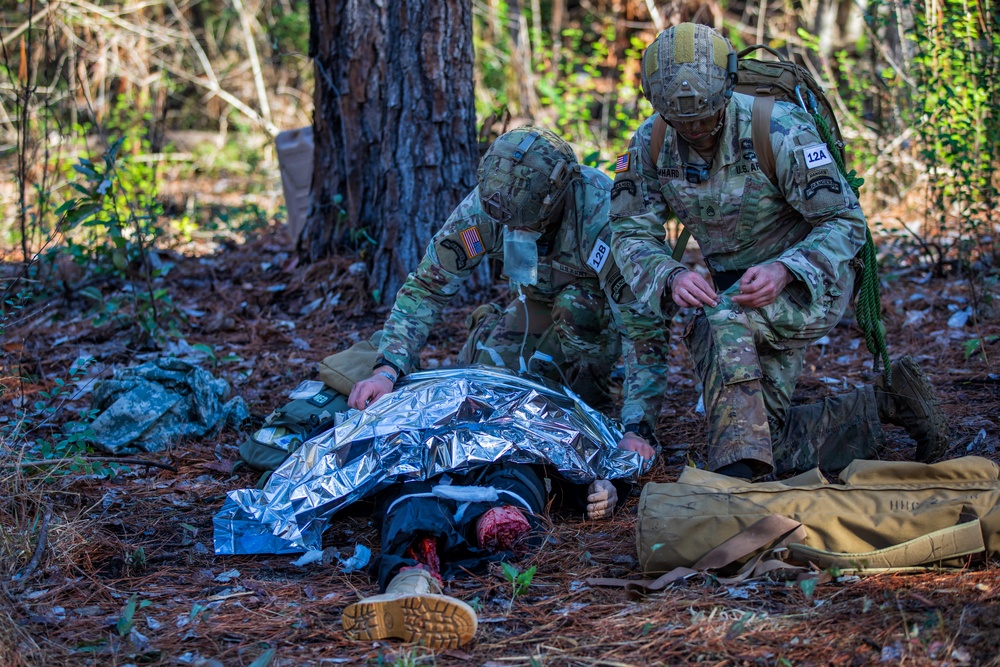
(147, 531)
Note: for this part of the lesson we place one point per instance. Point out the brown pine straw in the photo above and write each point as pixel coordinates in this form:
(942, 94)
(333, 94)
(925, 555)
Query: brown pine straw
(113, 459)
(151, 535)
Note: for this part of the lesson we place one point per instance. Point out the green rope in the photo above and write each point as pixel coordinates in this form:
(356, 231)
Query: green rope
(868, 304)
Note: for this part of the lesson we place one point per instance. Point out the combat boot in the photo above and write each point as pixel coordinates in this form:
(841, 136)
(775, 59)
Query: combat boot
(412, 609)
(913, 404)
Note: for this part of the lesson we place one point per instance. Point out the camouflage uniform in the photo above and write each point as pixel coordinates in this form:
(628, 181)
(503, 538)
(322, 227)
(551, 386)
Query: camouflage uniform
(750, 359)
(573, 314)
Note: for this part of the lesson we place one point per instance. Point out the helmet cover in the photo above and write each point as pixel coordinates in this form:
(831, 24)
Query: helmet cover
(688, 72)
(524, 177)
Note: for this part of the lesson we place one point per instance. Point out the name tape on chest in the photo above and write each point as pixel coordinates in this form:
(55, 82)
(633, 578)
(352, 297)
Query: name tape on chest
(598, 256)
(816, 155)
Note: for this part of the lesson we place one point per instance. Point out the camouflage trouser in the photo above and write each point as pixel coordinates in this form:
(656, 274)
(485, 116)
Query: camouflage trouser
(749, 362)
(576, 331)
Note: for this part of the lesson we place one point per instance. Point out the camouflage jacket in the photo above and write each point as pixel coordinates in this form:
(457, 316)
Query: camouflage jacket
(810, 221)
(581, 252)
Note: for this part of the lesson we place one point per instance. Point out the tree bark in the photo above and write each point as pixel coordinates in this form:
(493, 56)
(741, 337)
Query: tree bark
(394, 130)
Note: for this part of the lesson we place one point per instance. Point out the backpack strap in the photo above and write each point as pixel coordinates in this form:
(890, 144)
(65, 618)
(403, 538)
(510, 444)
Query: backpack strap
(659, 134)
(656, 147)
(964, 539)
(774, 529)
(760, 129)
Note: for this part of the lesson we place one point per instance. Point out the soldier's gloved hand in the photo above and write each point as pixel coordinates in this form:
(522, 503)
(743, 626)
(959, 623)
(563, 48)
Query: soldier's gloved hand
(601, 499)
(634, 442)
(370, 390)
(690, 289)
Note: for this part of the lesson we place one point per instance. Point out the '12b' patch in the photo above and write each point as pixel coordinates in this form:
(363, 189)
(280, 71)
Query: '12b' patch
(598, 256)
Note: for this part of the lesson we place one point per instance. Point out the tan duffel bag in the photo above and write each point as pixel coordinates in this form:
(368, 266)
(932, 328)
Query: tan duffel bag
(884, 516)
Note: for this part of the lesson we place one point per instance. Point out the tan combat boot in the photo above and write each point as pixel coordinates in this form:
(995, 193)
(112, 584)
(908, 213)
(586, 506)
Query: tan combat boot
(412, 609)
(913, 404)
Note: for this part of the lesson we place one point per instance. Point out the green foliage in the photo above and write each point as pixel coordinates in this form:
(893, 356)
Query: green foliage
(808, 586)
(584, 89)
(738, 627)
(127, 619)
(265, 658)
(406, 658)
(288, 27)
(73, 436)
(209, 352)
(519, 581)
(110, 223)
(975, 345)
(956, 65)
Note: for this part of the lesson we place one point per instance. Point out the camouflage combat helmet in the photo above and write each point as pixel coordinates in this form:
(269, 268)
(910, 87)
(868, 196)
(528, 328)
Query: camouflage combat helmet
(524, 177)
(688, 72)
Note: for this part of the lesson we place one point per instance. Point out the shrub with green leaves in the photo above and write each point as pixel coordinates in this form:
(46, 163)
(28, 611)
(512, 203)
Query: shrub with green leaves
(956, 68)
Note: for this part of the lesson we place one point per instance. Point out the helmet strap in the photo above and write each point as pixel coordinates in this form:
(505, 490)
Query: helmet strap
(731, 73)
(718, 126)
(693, 173)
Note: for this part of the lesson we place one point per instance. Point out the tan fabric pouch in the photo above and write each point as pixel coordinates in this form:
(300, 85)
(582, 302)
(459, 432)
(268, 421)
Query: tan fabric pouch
(341, 371)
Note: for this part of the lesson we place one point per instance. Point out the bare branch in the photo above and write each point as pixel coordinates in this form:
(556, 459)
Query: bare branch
(214, 88)
(43, 539)
(4, 41)
(265, 108)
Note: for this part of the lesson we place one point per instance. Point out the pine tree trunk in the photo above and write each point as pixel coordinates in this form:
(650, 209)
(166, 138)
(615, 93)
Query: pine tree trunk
(394, 130)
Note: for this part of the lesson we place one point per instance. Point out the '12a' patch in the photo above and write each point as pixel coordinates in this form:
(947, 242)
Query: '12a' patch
(816, 155)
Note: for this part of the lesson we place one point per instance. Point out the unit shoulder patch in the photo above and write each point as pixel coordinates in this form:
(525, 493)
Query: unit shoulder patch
(622, 186)
(461, 258)
(821, 180)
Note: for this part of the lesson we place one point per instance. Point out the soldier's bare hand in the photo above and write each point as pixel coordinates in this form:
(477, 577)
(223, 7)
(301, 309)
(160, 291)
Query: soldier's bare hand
(602, 497)
(691, 290)
(633, 442)
(368, 391)
(762, 284)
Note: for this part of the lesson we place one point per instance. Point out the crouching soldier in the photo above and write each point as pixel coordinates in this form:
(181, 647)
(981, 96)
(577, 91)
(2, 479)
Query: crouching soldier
(571, 315)
(545, 217)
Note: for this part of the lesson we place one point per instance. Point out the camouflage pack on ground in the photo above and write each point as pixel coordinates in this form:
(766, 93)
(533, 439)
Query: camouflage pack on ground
(313, 405)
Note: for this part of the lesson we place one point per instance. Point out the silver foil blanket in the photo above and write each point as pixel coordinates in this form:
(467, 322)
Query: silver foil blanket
(438, 421)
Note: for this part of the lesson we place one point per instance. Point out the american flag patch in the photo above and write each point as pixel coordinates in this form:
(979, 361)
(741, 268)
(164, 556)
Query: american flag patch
(621, 164)
(473, 244)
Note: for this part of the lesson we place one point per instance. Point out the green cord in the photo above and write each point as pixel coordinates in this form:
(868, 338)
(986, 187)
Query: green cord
(868, 303)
